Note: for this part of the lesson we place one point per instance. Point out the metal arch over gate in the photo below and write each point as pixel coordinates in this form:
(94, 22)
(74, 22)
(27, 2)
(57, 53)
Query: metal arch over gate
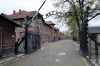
(83, 29)
(51, 13)
(28, 36)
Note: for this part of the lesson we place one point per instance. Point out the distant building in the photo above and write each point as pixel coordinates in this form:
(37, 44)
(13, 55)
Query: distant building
(56, 31)
(46, 31)
(61, 36)
(52, 25)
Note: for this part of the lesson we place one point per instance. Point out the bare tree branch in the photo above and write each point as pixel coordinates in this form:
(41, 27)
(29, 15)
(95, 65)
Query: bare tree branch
(94, 16)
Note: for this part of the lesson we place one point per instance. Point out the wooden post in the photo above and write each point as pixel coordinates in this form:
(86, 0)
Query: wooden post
(89, 48)
(96, 50)
(0, 41)
(96, 46)
(26, 30)
(16, 48)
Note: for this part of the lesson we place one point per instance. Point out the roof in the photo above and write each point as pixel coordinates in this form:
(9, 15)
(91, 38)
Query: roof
(9, 19)
(21, 14)
(95, 30)
(56, 28)
(47, 24)
(50, 22)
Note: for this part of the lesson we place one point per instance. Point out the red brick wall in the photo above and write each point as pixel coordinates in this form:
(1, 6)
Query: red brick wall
(45, 30)
(46, 33)
(62, 36)
(56, 34)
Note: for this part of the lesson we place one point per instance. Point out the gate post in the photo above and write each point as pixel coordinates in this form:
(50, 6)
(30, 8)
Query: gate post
(26, 30)
(96, 49)
(16, 48)
(39, 37)
(89, 48)
(84, 33)
(96, 46)
(87, 9)
(86, 39)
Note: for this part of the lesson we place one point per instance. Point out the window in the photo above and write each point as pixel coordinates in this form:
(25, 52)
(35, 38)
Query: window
(40, 26)
(43, 35)
(43, 26)
(38, 17)
(21, 23)
(37, 23)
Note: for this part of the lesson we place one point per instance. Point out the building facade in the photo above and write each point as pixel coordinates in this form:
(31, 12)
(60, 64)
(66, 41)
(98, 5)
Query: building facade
(7, 36)
(61, 36)
(56, 31)
(48, 32)
(52, 31)
(19, 17)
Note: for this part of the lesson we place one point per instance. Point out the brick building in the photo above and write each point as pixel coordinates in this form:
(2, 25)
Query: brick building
(56, 31)
(52, 25)
(48, 32)
(19, 17)
(61, 36)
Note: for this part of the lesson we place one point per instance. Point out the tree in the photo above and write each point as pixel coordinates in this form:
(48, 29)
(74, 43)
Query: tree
(82, 5)
(87, 10)
(72, 23)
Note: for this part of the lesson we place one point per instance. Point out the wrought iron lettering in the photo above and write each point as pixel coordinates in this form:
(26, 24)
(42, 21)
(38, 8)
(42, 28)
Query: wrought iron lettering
(53, 13)
(61, 14)
(46, 15)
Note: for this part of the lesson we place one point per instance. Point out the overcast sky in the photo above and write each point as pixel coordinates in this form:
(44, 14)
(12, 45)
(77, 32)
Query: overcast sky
(7, 7)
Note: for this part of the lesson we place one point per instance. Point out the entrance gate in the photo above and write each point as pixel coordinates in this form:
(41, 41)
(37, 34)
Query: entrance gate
(83, 32)
(33, 41)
